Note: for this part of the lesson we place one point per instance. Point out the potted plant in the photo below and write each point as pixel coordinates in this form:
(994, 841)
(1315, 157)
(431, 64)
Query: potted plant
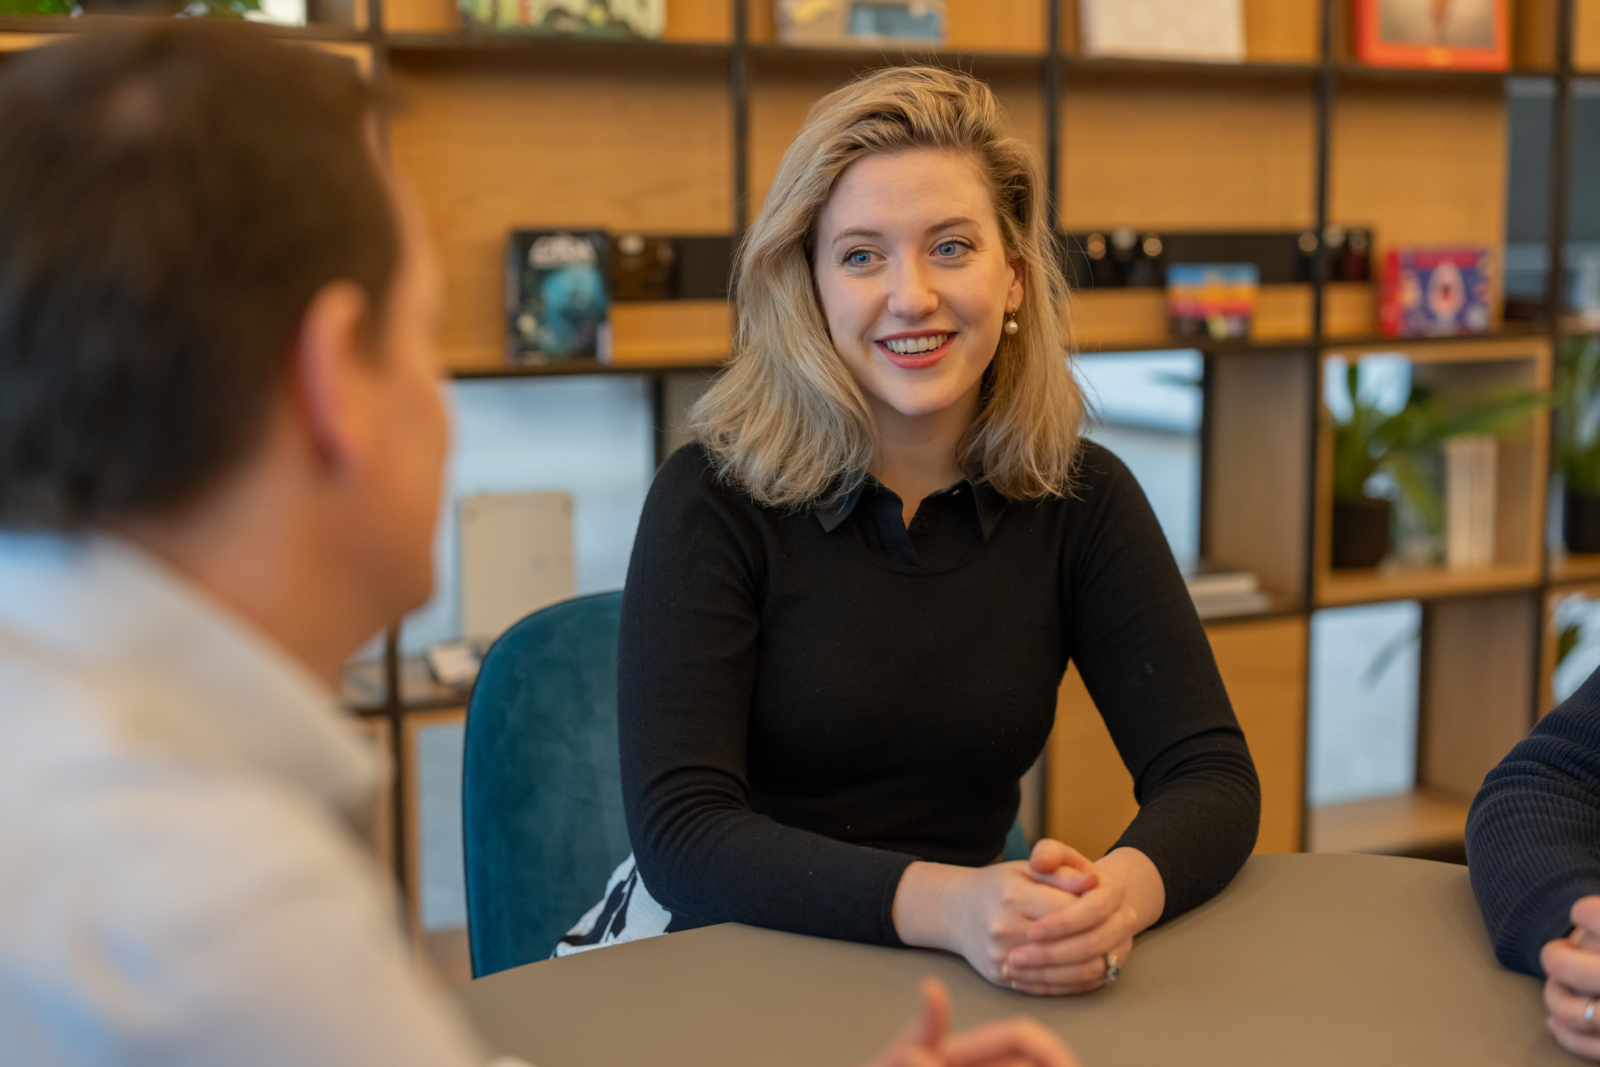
(1369, 440)
(1578, 440)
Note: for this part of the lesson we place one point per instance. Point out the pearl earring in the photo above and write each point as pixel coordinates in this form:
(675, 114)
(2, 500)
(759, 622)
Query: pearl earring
(1011, 324)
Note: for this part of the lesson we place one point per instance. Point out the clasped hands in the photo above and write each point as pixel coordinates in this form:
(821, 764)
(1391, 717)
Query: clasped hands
(1044, 926)
(1572, 966)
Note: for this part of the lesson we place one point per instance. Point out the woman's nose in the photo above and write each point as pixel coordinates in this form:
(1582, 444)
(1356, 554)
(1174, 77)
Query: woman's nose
(912, 298)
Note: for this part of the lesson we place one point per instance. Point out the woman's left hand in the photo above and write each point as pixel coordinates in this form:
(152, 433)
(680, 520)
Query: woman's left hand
(1068, 949)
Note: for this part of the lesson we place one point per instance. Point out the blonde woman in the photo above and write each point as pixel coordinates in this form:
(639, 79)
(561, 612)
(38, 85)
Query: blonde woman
(850, 604)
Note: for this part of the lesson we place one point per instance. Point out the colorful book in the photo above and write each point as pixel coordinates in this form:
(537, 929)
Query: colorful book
(861, 23)
(1215, 300)
(1465, 34)
(1205, 30)
(590, 18)
(558, 301)
(1434, 291)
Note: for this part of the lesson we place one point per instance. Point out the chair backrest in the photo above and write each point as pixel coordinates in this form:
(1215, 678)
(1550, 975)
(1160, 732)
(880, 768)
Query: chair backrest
(541, 788)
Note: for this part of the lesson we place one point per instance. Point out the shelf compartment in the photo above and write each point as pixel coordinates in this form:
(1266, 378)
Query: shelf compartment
(1410, 822)
(502, 144)
(1521, 478)
(1089, 795)
(1438, 137)
(1550, 636)
(1254, 516)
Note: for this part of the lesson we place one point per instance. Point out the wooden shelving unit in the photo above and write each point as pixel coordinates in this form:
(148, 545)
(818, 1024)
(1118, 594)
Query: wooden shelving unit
(683, 136)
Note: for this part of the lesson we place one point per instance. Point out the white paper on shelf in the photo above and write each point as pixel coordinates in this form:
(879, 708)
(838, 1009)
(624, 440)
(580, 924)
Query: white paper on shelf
(1208, 30)
(516, 557)
(1470, 470)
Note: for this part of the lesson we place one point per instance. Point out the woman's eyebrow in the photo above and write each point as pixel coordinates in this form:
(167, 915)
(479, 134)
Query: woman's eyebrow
(859, 231)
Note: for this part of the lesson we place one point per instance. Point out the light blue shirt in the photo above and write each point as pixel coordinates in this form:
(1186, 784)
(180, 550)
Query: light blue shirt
(179, 883)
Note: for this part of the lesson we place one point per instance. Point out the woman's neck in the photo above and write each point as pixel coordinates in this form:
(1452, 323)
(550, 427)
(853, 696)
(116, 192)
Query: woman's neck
(917, 453)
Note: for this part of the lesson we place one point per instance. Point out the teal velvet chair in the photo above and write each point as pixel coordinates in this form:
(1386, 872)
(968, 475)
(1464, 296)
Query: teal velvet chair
(541, 788)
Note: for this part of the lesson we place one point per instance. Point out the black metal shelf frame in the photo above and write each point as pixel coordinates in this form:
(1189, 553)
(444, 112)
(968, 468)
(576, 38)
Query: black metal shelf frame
(1057, 71)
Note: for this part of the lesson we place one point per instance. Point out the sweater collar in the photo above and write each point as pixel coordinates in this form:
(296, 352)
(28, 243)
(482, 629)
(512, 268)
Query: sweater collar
(989, 503)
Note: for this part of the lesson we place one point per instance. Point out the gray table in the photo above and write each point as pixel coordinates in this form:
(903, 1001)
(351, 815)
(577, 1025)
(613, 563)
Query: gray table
(1355, 961)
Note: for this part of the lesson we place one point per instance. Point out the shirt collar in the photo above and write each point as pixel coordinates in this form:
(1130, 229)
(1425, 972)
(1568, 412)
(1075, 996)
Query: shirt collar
(988, 501)
(192, 678)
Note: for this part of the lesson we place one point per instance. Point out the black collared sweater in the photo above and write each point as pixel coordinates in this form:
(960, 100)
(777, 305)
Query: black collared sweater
(1533, 834)
(811, 699)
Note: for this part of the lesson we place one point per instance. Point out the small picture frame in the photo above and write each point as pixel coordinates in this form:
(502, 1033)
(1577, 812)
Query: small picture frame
(1449, 34)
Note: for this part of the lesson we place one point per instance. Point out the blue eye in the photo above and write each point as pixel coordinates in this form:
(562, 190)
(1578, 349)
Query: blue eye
(950, 248)
(858, 258)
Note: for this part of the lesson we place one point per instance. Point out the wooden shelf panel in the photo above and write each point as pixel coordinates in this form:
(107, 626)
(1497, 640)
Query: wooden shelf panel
(1135, 153)
(1263, 664)
(1574, 567)
(645, 335)
(1402, 582)
(1388, 825)
(1109, 319)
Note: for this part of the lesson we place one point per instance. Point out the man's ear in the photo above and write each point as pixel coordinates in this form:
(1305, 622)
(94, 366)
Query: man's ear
(328, 379)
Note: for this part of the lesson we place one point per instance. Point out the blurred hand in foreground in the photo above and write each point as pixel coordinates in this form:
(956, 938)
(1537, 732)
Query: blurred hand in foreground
(927, 1042)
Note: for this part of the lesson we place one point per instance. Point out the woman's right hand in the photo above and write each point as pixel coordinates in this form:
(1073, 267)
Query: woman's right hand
(981, 913)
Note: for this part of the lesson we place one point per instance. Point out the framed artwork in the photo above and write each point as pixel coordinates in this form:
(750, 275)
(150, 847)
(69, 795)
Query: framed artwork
(1463, 34)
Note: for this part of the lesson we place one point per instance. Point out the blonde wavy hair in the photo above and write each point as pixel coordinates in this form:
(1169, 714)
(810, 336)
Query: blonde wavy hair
(787, 422)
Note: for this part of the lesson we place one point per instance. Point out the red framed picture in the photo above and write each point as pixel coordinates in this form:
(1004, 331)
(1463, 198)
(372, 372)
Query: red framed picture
(1458, 34)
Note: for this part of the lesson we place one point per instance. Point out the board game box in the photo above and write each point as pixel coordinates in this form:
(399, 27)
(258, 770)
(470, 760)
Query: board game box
(1434, 291)
(558, 300)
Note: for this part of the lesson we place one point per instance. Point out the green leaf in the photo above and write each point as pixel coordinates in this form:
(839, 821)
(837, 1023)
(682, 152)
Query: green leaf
(1567, 641)
(1416, 487)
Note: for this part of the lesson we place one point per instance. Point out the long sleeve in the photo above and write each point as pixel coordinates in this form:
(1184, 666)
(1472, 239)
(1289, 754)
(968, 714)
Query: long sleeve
(1533, 834)
(691, 632)
(1147, 663)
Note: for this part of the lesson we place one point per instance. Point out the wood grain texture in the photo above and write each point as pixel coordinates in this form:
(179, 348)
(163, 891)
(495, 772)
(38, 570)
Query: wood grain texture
(670, 333)
(1263, 664)
(1533, 33)
(1393, 824)
(1282, 31)
(1257, 477)
(1164, 155)
(781, 96)
(1477, 689)
(1422, 166)
(1586, 35)
(997, 25)
(496, 144)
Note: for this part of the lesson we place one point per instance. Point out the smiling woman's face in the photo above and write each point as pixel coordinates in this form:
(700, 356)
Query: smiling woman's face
(914, 279)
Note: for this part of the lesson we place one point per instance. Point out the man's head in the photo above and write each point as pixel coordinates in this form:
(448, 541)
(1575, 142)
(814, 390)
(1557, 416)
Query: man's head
(216, 310)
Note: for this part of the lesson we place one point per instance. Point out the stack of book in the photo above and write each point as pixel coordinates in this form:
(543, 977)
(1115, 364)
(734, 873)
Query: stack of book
(1217, 593)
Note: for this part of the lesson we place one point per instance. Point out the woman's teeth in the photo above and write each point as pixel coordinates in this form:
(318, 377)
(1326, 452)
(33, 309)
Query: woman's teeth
(910, 346)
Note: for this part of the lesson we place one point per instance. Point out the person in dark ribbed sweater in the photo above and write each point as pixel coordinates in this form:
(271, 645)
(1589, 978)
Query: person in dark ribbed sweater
(1533, 849)
(852, 600)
